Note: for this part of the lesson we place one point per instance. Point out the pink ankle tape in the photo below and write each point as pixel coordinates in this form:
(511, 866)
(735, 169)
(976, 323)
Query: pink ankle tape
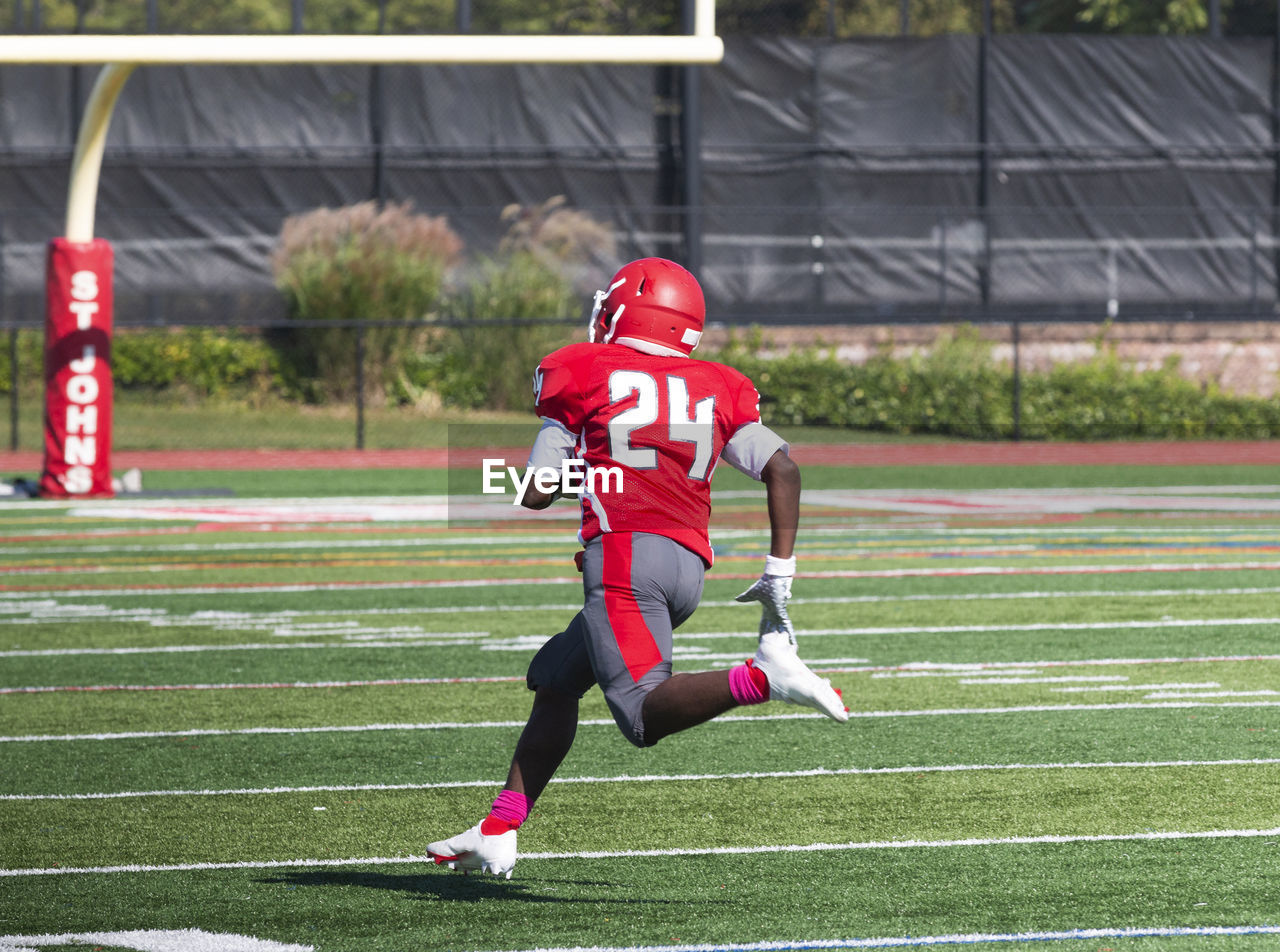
(745, 688)
(512, 807)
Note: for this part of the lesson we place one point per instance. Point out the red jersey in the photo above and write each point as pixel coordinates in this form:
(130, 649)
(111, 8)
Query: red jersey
(656, 423)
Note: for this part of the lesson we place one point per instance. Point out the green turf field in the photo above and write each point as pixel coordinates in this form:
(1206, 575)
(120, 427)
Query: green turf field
(234, 723)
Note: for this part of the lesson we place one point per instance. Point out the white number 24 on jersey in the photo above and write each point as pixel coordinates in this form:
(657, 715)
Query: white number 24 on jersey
(683, 426)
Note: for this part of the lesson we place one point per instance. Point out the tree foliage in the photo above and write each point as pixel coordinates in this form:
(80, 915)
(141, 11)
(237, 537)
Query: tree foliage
(347, 16)
(819, 18)
(1173, 17)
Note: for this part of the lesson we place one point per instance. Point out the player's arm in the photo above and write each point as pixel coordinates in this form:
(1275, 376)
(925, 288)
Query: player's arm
(781, 478)
(761, 454)
(535, 498)
(553, 445)
(558, 400)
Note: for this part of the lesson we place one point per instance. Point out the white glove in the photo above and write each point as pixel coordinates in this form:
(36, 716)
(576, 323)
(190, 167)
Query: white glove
(772, 590)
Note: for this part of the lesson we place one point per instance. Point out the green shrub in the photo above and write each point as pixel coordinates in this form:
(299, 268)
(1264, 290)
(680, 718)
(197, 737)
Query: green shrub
(199, 361)
(364, 264)
(512, 315)
(191, 361)
(360, 263)
(30, 362)
(1105, 399)
(517, 308)
(958, 389)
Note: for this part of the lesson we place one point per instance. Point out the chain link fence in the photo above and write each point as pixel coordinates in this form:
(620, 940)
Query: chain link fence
(227, 387)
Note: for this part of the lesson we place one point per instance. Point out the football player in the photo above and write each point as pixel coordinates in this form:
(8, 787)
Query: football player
(652, 421)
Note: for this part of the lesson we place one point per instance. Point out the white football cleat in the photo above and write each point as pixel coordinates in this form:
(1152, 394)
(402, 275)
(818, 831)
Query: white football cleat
(790, 679)
(474, 850)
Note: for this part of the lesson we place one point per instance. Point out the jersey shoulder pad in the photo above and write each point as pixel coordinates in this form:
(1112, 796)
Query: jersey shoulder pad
(571, 355)
(745, 398)
(558, 391)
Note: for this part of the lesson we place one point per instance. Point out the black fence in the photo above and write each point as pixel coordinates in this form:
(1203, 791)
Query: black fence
(948, 178)
(355, 402)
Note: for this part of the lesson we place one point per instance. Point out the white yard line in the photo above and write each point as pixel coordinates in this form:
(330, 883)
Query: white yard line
(398, 636)
(656, 778)
(201, 649)
(932, 669)
(929, 534)
(548, 553)
(1105, 568)
(1032, 595)
(1175, 686)
(1045, 840)
(51, 612)
(329, 542)
(914, 941)
(150, 940)
(728, 718)
(923, 669)
(38, 602)
(1162, 695)
(1063, 679)
(1037, 626)
(258, 685)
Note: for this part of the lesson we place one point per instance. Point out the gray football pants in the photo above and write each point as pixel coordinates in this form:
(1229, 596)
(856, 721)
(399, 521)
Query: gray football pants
(638, 588)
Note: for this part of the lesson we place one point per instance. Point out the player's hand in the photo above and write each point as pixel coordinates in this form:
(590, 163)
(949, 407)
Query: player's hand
(772, 591)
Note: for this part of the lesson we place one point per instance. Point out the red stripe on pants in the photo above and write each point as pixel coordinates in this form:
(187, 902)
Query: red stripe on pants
(639, 650)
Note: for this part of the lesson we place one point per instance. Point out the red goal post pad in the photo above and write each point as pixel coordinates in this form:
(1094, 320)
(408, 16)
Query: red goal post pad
(77, 369)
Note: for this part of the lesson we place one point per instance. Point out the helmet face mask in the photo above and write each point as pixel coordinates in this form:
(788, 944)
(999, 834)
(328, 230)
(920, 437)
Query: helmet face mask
(652, 305)
(603, 323)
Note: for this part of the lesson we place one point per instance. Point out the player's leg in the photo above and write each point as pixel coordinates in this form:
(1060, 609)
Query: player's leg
(683, 701)
(776, 673)
(640, 587)
(544, 743)
(559, 675)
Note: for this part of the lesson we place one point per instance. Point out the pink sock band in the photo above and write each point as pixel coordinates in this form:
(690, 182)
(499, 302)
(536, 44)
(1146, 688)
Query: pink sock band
(743, 686)
(512, 807)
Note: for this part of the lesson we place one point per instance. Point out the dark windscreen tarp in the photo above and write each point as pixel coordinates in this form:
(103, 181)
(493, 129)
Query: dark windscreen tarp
(840, 180)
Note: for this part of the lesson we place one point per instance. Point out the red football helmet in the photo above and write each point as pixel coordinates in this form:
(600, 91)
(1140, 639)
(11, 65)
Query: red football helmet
(652, 305)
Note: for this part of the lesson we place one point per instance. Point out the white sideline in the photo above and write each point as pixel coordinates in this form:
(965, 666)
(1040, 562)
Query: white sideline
(912, 941)
(657, 778)
(608, 722)
(151, 940)
(1043, 840)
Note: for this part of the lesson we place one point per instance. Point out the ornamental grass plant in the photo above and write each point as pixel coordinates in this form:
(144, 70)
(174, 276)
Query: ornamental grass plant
(364, 267)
